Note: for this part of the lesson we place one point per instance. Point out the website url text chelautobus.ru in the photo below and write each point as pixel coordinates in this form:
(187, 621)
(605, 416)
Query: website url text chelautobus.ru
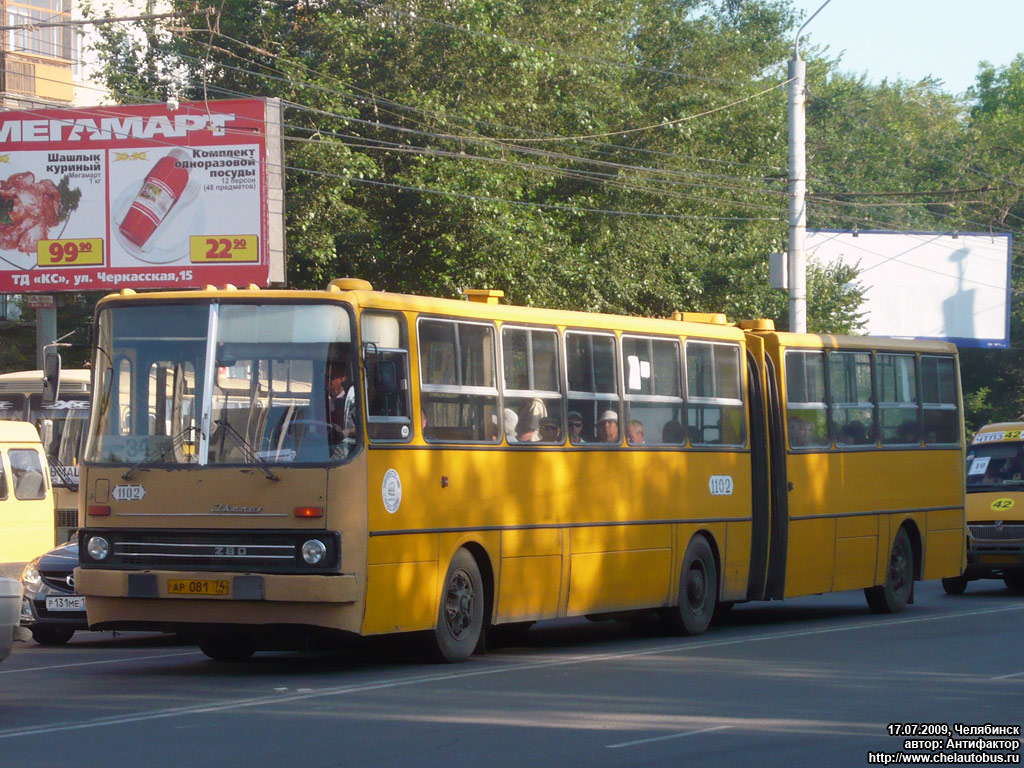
(942, 758)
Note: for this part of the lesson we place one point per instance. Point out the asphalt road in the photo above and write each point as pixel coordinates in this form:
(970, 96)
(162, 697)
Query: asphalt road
(808, 682)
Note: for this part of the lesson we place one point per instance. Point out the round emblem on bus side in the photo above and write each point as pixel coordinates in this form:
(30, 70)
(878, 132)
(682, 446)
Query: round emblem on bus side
(391, 491)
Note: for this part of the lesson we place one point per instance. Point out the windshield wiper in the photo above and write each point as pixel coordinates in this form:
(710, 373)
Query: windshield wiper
(246, 448)
(176, 442)
(62, 472)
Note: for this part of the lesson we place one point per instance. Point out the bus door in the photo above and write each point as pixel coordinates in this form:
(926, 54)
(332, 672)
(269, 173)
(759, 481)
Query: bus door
(769, 510)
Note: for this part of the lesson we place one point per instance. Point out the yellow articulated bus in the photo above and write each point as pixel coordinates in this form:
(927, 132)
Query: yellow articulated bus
(995, 508)
(266, 466)
(61, 424)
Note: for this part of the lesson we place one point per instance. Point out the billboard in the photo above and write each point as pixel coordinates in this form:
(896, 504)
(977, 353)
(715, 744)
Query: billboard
(930, 285)
(141, 196)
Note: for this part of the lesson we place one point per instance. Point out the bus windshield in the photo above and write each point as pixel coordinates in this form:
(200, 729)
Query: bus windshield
(62, 428)
(224, 383)
(995, 466)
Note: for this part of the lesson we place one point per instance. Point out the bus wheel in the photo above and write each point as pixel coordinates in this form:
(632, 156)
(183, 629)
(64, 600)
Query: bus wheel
(698, 590)
(227, 647)
(52, 635)
(460, 617)
(954, 585)
(1014, 581)
(892, 597)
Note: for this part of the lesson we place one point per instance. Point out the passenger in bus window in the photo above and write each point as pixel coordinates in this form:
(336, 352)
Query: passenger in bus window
(907, 432)
(801, 432)
(528, 429)
(608, 427)
(635, 432)
(575, 428)
(672, 432)
(853, 434)
(528, 421)
(341, 408)
(551, 431)
(511, 420)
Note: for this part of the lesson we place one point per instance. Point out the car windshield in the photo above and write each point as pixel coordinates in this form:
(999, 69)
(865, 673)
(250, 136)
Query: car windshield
(223, 383)
(992, 466)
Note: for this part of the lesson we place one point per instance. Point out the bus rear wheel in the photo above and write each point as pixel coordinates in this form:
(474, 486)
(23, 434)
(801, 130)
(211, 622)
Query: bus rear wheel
(698, 590)
(230, 648)
(954, 585)
(460, 616)
(894, 594)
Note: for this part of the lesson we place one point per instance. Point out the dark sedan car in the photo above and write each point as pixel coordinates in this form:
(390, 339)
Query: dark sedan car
(50, 609)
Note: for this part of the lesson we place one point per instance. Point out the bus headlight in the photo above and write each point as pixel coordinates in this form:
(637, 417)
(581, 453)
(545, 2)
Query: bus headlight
(98, 548)
(314, 551)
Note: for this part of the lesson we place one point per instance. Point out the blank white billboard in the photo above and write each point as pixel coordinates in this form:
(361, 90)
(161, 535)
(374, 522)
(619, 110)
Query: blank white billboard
(954, 287)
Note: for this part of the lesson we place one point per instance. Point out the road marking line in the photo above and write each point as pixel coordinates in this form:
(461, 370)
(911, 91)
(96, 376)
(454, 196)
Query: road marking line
(666, 738)
(94, 663)
(682, 645)
(1007, 677)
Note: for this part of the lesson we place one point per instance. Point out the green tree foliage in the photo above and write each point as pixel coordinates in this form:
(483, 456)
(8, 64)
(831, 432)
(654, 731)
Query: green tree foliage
(625, 157)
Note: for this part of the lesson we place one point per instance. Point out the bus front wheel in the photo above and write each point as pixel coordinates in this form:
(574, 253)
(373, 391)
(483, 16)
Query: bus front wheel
(460, 616)
(698, 590)
(894, 594)
(1014, 581)
(954, 585)
(231, 648)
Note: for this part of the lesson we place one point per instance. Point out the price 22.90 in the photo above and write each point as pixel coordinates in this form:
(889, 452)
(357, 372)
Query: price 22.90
(214, 250)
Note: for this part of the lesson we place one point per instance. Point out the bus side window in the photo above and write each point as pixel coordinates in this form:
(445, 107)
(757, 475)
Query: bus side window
(3, 481)
(714, 396)
(386, 371)
(851, 400)
(532, 386)
(938, 395)
(654, 397)
(458, 384)
(593, 388)
(805, 399)
(898, 413)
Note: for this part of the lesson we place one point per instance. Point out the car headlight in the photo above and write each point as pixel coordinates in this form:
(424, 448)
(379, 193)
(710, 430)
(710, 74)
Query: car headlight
(98, 548)
(314, 551)
(30, 575)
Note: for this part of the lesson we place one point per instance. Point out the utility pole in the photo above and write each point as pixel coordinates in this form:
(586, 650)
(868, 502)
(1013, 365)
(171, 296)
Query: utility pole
(797, 196)
(797, 262)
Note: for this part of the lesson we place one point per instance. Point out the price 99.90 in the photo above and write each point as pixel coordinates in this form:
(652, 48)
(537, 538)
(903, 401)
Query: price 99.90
(70, 253)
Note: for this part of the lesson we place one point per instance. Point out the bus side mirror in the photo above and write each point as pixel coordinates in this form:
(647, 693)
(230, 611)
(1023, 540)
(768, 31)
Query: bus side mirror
(51, 376)
(385, 377)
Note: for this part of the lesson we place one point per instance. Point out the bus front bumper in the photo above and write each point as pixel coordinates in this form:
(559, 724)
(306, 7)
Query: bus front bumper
(986, 560)
(216, 586)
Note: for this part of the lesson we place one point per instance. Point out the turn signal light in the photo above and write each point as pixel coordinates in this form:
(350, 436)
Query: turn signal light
(309, 511)
(99, 510)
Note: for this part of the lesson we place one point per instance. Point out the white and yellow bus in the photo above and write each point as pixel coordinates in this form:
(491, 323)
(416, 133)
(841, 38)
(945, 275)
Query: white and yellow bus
(497, 465)
(995, 508)
(62, 426)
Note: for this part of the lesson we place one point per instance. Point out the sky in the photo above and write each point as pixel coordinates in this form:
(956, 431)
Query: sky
(911, 39)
